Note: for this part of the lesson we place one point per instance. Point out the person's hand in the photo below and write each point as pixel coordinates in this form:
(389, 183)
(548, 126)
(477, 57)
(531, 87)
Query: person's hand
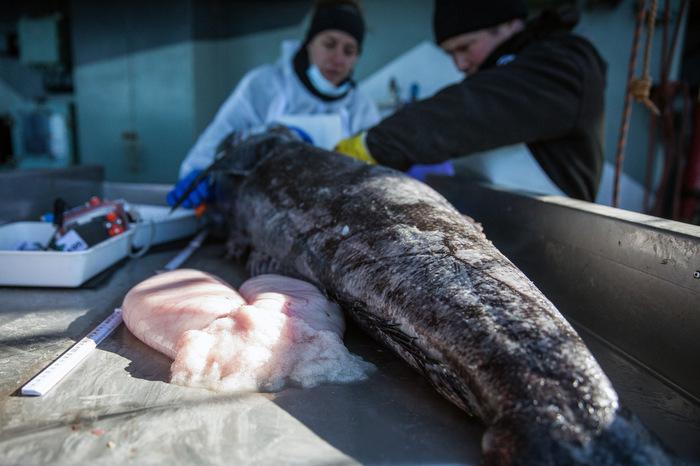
(420, 172)
(356, 148)
(200, 194)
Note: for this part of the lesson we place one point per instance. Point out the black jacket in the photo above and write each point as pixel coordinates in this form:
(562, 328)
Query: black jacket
(550, 96)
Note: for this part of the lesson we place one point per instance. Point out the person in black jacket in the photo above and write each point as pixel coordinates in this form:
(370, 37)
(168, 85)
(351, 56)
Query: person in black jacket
(529, 83)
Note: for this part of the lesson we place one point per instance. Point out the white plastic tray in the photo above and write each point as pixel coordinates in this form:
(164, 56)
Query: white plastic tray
(72, 269)
(159, 226)
(53, 268)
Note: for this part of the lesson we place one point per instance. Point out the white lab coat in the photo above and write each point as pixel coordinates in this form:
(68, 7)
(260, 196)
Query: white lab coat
(267, 93)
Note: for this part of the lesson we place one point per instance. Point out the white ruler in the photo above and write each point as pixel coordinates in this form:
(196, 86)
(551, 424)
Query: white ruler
(178, 260)
(58, 369)
(46, 379)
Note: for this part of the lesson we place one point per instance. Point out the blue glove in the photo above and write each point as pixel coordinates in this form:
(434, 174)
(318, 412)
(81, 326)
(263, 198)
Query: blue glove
(201, 193)
(420, 172)
(306, 137)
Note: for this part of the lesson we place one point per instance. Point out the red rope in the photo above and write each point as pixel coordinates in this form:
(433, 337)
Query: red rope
(668, 194)
(627, 109)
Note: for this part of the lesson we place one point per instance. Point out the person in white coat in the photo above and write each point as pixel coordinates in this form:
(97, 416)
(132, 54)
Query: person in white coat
(311, 79)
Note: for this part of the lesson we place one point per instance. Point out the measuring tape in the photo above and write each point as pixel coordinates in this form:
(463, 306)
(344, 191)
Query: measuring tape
(46, 379)
(58, 369)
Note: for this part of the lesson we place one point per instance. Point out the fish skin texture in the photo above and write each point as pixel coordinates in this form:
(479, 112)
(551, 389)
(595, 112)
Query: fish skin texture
(425, 281)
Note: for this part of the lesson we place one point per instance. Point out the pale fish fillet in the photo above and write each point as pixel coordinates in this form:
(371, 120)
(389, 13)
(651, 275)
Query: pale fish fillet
(284, 332)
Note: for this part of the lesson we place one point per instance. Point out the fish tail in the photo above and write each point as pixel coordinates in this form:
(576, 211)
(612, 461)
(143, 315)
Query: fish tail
(522, 441)
(508, 443)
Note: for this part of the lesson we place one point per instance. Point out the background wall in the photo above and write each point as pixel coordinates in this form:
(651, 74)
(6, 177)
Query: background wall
(148, 77)
(133, 76)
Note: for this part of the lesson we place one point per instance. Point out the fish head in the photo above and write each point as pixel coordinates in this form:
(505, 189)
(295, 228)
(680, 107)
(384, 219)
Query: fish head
(523, 441)
(241, 151)
(238, 155)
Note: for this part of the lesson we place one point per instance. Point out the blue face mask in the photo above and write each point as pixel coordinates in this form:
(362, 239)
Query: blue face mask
(323, 85)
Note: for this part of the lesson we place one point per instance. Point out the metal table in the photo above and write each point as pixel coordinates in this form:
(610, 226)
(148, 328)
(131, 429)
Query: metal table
(117, 407)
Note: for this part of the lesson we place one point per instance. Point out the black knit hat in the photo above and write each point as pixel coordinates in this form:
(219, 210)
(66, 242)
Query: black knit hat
(343, 16)
(455, 17)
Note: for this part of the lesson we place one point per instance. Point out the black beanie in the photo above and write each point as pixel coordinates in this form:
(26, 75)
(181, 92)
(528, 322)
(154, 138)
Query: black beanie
(455, 17)
(344, 17)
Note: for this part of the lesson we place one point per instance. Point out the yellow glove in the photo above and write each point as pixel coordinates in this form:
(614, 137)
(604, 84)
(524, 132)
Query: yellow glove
(356, 148)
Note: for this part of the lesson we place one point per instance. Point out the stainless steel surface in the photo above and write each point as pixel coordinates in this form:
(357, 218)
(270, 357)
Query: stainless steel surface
(138, 193)
(118, 408)
(119, 394)
(628, 278)
(26, 194)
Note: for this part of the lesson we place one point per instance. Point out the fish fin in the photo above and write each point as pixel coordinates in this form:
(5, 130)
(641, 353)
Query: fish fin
(237, 245)
(453, 388)
(446, 383)
(260, 263)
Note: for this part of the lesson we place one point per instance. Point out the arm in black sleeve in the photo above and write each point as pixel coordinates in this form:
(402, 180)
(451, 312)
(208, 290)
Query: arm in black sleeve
(537, 96)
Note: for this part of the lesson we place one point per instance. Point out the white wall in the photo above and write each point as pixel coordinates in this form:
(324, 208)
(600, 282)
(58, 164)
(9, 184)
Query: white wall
(147, 92)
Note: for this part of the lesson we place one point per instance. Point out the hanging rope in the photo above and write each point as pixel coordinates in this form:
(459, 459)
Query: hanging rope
(641, 87)
(627, 108)
(672, 127)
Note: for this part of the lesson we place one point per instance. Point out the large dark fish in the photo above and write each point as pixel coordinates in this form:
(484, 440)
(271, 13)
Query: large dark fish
(424, 280)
